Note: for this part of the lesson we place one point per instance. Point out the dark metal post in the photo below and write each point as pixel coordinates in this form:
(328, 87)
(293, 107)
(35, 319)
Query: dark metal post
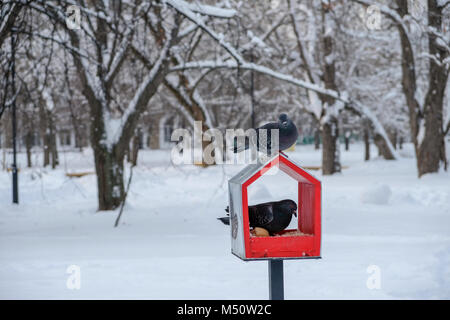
(14, 124)
(276, 280)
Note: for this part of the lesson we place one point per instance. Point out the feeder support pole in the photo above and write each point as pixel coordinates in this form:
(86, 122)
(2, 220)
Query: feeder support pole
(276, 279)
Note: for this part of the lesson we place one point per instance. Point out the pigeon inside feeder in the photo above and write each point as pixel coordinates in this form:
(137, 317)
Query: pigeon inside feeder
(269, 218)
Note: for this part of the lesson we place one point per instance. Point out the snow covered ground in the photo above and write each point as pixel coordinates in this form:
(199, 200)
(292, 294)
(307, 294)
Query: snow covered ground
(170, 245)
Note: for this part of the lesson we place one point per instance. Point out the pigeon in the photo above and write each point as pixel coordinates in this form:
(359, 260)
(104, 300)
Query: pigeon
(273, 216)
(288, 135)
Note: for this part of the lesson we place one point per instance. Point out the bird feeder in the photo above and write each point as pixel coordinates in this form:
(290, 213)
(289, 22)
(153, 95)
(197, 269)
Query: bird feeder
(300, 243)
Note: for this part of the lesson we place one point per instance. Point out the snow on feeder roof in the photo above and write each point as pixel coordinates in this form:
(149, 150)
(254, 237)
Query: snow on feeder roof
(303, 242)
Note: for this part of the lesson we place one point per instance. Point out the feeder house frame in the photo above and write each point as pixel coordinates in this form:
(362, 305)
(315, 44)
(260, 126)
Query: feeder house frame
(303, 244)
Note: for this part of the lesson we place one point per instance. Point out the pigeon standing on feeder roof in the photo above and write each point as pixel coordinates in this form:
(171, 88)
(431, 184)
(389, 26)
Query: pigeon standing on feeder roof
(288, 135)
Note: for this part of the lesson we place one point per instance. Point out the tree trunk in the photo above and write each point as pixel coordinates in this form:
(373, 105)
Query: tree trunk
(128, 154)
(383, 149)
(52, 142)
(392, 135)
(46, 150)
(330, 129)
(43, 126)
(431, 150)
(28, 143)
(54, 150)
(48, 134)
(347, 142)
(109, 169)
(366, 142)
(317, 139)
(76, 129)
(330, 148)
(426, 123)
(134, 150)
(73, 117)
(29, 128)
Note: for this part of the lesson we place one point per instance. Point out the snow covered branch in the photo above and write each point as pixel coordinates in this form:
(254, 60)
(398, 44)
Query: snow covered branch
(148, 87)
(207, 9)
(258, 68)
(378, 127)
(354, 106)
(119, 56)
(183, 8)
(9, 12)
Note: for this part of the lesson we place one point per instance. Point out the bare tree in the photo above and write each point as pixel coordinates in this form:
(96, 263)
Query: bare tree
(125, 52)
(427, 125)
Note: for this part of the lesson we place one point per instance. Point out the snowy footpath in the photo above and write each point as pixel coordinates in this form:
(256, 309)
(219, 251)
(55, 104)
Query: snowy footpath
(379, 220)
